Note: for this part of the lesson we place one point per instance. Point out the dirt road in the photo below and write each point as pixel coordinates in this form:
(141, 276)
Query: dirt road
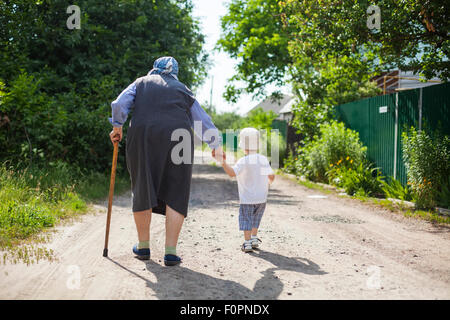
(313, 248)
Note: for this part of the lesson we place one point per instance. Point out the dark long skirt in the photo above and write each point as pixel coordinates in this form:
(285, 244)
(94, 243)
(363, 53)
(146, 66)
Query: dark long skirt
(156, 181)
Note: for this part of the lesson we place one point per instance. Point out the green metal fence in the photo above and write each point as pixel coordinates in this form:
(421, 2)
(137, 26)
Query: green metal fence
(381, 120)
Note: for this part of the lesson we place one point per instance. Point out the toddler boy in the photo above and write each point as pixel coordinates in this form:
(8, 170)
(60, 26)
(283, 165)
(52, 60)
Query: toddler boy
(253, 174)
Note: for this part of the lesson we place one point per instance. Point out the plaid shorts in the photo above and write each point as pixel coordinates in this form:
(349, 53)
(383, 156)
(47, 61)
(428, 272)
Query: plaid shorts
(250, 215)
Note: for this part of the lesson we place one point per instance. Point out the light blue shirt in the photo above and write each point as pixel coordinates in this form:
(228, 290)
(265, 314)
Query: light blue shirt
(124, 103)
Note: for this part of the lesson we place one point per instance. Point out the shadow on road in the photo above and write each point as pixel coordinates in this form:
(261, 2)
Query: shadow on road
(183, 283)
(281, 262)
(280, 198)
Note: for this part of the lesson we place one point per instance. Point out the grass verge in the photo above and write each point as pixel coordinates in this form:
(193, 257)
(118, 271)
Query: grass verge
(35, 199)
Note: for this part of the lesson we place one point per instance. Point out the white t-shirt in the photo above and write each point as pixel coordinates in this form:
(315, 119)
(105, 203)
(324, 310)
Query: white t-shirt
(252, 176)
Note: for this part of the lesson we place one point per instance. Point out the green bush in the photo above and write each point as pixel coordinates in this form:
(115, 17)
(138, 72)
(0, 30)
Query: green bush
(33, 131)
(290, 163)
(427, 161)
(394, 189)
(361, 180)
(335, 143)
(337, 157)
(444, 195)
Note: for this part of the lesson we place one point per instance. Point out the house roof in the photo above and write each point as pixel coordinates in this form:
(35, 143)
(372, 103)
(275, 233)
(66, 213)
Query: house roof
(288, 106)
(275, 105)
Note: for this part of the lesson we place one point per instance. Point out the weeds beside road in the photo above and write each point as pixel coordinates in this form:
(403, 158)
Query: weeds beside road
(35, 199)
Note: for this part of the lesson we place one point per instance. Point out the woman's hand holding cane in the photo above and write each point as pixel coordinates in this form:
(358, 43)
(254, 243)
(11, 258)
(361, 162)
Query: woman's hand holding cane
(116, 134)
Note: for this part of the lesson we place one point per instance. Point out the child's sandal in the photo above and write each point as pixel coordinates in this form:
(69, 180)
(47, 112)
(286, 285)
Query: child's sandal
(255, 242)
(247, 247)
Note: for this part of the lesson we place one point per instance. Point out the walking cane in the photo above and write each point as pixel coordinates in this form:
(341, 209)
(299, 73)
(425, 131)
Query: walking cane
(111, 193)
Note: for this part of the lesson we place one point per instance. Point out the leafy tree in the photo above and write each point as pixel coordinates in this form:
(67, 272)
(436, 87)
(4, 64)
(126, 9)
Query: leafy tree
(413, 34)
(223, 120)
(253, 33)
(118, 38)
(335, 54)
(327, 51)
(340, 80)
(260, 119)
(59, 83)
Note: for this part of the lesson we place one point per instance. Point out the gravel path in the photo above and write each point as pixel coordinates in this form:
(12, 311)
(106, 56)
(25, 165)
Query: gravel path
(315, 246)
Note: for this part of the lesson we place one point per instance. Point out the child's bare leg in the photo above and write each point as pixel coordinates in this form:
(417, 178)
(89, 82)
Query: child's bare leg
(254, 232)
(247, 234)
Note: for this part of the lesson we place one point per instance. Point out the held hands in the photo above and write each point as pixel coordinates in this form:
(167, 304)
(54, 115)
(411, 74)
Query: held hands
(219, 155)
(116, 134)
(271, 178)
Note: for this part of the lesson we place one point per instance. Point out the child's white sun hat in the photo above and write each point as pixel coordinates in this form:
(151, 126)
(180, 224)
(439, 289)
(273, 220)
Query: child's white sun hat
(249, 139)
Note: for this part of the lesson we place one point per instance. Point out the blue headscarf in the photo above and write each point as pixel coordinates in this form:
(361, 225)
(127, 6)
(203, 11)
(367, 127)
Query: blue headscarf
(165, 65)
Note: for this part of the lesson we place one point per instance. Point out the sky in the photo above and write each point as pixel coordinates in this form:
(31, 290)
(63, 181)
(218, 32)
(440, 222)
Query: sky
(209, 13)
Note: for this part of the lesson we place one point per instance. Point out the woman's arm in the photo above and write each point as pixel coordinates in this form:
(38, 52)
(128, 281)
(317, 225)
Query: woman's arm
(204, 128)
(121, 107)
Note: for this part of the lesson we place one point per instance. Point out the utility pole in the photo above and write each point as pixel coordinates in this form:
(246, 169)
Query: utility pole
(211, 93)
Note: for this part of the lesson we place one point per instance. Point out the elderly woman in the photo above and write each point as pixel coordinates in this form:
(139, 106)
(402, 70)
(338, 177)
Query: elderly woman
(161, 104)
